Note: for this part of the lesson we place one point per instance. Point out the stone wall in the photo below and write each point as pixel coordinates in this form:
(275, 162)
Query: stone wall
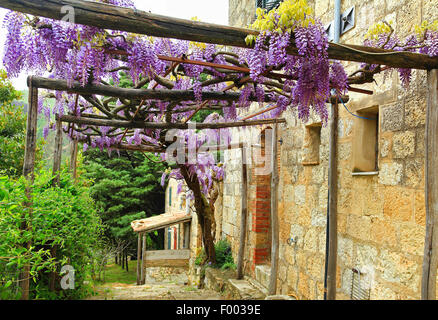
(381, 217)
(241, 12)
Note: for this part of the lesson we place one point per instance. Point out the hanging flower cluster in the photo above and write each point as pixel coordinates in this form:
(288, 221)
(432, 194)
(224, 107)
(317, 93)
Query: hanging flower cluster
(424, 41)
(90, 55)
(311, 75)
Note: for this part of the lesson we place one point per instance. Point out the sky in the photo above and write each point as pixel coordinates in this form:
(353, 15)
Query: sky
(212, 11)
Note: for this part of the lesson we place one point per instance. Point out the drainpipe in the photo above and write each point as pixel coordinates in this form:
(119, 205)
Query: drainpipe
(331, 237)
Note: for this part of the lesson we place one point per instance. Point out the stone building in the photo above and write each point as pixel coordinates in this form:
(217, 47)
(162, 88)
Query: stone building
(380, 165)
(174, 203)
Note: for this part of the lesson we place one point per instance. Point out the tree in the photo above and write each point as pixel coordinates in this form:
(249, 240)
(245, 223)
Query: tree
(126, 187)
(13, 129)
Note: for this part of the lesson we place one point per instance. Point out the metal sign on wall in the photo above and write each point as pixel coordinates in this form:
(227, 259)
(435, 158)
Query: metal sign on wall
(347, 23)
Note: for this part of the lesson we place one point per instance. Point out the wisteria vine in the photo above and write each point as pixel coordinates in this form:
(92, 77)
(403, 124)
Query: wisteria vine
(90, 55)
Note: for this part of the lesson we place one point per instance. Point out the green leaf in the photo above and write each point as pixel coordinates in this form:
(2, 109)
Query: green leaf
(8, 284)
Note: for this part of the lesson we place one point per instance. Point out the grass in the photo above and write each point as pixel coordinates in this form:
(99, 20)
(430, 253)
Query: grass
(115, 274)
(190, 288)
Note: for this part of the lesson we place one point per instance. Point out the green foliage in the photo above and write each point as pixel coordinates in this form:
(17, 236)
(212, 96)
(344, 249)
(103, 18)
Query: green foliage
(224, 257)
(63, 217)
(13, 129)
(202, 114)
(126, 188)
(223, 253)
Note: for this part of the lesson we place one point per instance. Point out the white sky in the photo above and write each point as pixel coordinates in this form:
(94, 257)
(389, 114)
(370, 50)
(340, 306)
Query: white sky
(212, 11)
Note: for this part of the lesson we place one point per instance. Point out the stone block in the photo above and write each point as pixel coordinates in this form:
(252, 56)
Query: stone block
(385, 147)
(415, 112)
(383, 232)
(300, 195)
(382, 293)
(412, 238)
(344, 152)
(318, 174)
(345, 251)
(420, 208)
(404, 144)
(359, 227)
(414, 173)
(366, 256)
(387, 265)
(311, 240)
(392, 117)
(398, 203)
(409, 271)
(319, 219)
(391, 173)
(303, 286)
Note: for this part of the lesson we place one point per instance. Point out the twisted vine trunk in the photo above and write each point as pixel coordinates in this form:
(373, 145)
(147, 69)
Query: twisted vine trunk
(204, 213)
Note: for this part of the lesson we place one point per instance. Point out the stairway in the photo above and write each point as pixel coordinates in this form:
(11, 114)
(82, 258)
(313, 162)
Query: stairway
(245, 289)
(252, 288)
(225, 282)
(262, 275)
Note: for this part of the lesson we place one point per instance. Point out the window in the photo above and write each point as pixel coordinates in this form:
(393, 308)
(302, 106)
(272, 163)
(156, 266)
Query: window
(268, 4)
(312, 141)
(170, 196)
(366, 140)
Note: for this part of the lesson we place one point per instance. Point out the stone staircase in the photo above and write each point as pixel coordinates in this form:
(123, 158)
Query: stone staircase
(231, 288)
(244, 289)
(262, 275)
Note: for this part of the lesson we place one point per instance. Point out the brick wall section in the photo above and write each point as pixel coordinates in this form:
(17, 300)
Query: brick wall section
(260, 208)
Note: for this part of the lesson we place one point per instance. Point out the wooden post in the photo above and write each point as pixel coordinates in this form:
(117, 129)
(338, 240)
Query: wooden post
(28, 173)
(430, 258)
(143, 260)
(243, 215)
(274, 214)
(332, 208)
(58, 152)
(139, 259)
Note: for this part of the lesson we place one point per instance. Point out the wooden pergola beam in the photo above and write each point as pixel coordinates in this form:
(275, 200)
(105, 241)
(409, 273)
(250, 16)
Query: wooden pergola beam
(163, 95)
(164, 125)
(124, 19)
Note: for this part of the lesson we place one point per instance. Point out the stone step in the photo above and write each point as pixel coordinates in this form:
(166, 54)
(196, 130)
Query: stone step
(262, 275)
(257, 285)
(243, 290)
(226, 283)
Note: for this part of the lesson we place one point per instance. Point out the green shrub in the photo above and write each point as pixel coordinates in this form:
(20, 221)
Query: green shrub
(224, 257)
(63, 217)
